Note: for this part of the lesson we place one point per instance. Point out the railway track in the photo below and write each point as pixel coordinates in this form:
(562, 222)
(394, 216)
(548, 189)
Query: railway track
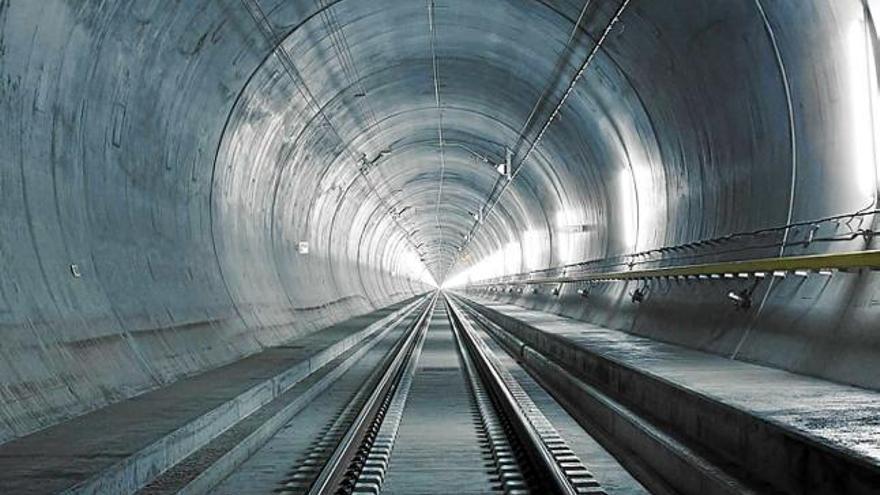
(395, 436)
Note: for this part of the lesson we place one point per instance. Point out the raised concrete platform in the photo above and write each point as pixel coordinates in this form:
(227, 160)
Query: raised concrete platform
(784, 431)
(120, 448)
(612, 476)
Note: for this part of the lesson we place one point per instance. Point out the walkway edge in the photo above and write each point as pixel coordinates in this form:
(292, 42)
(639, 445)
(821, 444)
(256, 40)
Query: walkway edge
(136, 471)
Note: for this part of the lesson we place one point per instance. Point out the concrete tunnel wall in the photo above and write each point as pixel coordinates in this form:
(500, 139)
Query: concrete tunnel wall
(118, 158)
(178, 152)
(729, 117)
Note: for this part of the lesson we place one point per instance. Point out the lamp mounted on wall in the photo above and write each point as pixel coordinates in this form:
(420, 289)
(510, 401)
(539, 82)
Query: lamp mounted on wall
(741, 299)
(506, 168)
(638, 295)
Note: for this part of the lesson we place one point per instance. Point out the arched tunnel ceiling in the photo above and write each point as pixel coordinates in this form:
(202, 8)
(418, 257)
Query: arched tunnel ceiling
(379, 70)
(687, 104)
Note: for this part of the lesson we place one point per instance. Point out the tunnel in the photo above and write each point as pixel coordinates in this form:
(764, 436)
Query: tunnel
(439, 246)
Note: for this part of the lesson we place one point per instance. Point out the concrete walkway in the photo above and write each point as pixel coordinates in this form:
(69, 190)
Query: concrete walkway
(722, 403)
(120, 447)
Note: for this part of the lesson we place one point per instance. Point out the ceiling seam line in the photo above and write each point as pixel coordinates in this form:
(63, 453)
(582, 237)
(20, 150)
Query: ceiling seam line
(520, 135)
(436, 77)
(584, 66)
(267, 31)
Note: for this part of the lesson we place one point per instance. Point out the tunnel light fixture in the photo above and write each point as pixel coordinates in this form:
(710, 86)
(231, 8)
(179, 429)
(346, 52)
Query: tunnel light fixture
(583, 292)
(512, 258)
(477, 216)
(863, 103)
(566, 251)
(780, 273)
(826, 272)
(637, 295)
(532, 248)
(505, 168)
(802, 273)
(741, 299)
(302, 247)
(628, 223)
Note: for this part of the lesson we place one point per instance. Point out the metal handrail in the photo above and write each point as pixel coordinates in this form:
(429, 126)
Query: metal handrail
(757, 267)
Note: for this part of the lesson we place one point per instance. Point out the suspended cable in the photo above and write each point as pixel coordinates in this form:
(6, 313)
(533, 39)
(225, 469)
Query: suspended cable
(493, 199)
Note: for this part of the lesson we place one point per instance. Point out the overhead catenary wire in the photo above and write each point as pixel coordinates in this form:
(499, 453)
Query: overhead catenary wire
(490, 203)
(435, 73)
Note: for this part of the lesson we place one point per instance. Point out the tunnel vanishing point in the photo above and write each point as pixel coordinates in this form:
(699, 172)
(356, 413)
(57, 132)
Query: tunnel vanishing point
(439, 246)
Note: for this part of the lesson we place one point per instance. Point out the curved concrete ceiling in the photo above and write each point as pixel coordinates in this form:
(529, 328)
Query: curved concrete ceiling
(164, 164)
(693, 107)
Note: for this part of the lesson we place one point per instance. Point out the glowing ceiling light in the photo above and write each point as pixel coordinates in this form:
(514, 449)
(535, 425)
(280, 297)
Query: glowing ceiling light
(512, 256)
(565, 249)
(863, 107)
(629, 209)
(506, 168)
(532, 249)
(741, 299)
(412, 266)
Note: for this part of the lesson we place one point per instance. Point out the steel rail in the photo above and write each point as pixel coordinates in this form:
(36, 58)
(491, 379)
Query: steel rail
(337, 466)
(757, 267)
(537, 450)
